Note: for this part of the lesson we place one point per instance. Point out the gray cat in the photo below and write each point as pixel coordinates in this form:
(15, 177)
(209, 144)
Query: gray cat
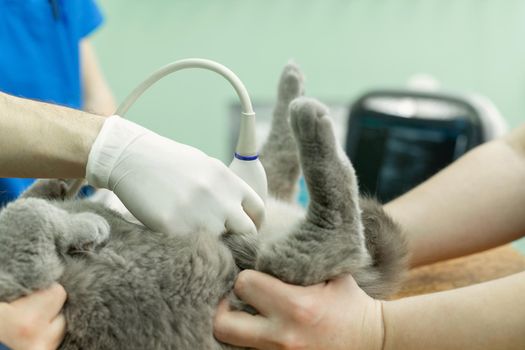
(131, 288)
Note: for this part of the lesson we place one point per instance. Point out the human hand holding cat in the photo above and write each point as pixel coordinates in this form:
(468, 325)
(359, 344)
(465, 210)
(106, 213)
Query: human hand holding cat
(34, 322)
(332, 315)
(168, 186)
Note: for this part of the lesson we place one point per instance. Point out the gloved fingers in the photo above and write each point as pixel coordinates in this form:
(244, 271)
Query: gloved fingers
(215, 224)
(253, 206)
(239, 222)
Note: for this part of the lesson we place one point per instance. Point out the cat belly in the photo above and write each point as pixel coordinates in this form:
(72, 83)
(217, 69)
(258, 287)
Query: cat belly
(147, 291)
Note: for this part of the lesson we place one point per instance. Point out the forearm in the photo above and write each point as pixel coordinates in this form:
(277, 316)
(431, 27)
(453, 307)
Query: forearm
(43, 140)
(474, 204)
(97, 95)
(485, 316)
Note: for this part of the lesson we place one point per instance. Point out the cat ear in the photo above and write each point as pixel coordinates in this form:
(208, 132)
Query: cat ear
(58, 189)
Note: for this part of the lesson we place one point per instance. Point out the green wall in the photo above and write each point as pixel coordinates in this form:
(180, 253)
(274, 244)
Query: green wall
(345, 47)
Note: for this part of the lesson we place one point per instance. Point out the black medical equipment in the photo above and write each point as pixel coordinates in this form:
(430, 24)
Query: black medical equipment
(396, 139)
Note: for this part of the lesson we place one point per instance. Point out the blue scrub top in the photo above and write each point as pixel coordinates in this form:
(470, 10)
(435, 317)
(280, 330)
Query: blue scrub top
(39, 56)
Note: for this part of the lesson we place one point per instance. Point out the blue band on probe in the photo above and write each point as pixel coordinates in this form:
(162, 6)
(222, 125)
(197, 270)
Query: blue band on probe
(238, 156)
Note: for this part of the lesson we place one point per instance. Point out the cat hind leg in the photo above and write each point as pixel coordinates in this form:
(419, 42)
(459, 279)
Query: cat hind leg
(330, 240)
(279, 153)
(330, 178)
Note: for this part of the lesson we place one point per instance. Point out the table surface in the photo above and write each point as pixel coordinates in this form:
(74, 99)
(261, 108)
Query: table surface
(456, 273)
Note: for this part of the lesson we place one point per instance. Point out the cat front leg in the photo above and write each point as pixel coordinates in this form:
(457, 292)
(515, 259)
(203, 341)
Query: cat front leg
(28, 257)
(33, 236)
(82, 233)
(279, 153)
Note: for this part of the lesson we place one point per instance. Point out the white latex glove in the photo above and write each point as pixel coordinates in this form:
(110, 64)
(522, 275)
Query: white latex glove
(168, 186)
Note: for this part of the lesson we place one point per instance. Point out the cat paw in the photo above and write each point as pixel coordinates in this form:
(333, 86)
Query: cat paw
(309, 119)
(291, 84)
(86, 232)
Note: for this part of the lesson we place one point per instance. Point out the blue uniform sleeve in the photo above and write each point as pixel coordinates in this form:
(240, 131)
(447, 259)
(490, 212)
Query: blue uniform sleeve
(90, 18)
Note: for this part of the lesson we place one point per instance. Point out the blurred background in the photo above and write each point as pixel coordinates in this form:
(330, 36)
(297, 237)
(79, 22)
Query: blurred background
(345, 49)
(357, 55)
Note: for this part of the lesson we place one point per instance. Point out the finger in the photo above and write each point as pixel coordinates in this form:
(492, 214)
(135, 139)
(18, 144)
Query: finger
(240, 222)
(345, 282)
(57, 331)
(253, 205)
(265, 293)
(239, 328)
(50, 300)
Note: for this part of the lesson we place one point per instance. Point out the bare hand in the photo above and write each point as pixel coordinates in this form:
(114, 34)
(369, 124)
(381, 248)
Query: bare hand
(34, 322)
(332, 315)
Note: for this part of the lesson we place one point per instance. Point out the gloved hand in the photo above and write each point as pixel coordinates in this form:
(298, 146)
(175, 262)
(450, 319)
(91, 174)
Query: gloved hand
(34, 321)
(168, 186)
